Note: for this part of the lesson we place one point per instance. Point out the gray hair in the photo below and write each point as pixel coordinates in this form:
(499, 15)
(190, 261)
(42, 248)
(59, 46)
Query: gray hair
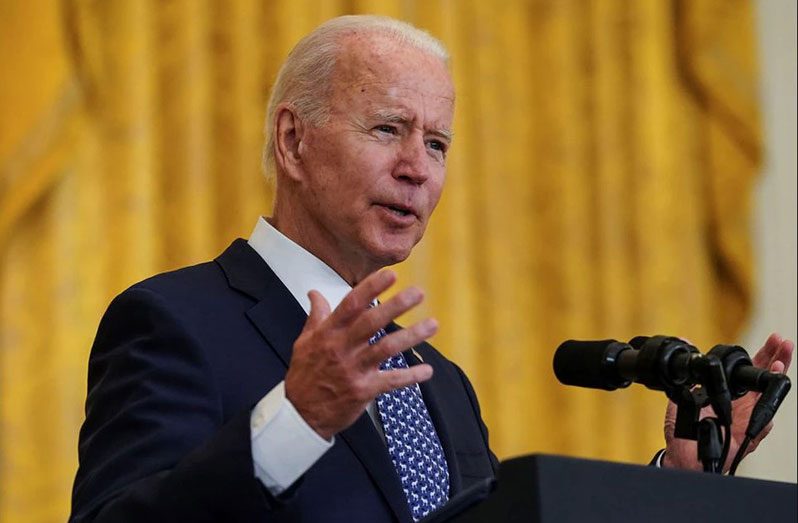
(305, 77)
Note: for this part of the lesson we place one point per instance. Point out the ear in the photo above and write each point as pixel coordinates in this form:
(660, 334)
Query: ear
(288, 146)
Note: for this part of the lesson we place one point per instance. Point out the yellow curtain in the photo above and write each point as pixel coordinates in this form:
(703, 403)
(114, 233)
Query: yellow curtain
(599, 186)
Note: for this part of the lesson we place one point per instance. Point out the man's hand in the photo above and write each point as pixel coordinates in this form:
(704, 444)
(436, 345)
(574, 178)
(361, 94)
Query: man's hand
(776, 356)
(334, 372)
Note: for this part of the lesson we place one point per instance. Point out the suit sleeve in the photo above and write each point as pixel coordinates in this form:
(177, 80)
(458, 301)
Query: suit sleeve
(153, 446)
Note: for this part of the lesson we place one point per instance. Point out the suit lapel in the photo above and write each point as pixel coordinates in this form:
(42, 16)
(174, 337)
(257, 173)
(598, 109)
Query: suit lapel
(277, 315)
(280, 322)
(280, 319)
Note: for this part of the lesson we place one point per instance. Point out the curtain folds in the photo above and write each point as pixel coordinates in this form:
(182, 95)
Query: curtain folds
(599, 186)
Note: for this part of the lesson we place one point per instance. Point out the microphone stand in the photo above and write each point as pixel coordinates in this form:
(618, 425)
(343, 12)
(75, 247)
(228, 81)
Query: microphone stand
(661, 364)
(706, 432)
(710, 448)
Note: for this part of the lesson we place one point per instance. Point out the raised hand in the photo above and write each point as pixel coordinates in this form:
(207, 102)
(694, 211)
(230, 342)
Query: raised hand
(776, 356)
(333, 374)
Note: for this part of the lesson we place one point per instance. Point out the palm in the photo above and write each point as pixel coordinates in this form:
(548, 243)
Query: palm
(775, 355)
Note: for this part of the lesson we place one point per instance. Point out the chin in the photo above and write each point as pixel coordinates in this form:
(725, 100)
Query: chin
(391, 253)
(392, 247)
(387, 257)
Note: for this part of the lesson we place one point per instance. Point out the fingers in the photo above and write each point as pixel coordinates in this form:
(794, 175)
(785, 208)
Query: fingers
(764, 357)
(359, 299)
(334, 372)
(670, 411)
(378, 317)
(784, 356)
(398, 378)
(397, 342)
(775, 355)
(319, 309)
(356, 322)
(362, 321)
(670, 421)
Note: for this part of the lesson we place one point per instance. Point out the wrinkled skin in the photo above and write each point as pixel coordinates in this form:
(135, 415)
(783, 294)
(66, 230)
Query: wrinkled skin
(383, 147)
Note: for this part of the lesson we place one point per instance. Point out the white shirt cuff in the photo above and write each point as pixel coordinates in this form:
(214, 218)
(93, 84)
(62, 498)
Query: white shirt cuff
(284, 446)
(658, 458)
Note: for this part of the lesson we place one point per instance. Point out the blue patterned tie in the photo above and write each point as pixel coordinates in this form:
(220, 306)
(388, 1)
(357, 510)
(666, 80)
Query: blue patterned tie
(413, 444)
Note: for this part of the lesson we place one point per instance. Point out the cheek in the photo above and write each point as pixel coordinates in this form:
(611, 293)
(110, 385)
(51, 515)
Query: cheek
(366, 168)
(371, 155)
(435, 189)
(352, 160)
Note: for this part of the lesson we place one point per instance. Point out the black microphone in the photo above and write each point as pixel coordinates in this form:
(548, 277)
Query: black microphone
(660, 363)
(767, 405)
(740, 371)
(592, 364)
(743, 377)
(663, 362)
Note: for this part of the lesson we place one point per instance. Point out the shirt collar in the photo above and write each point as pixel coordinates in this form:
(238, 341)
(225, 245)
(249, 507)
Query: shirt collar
(299, 270)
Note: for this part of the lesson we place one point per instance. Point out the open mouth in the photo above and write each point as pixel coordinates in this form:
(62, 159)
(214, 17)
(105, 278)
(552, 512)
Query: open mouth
(399, 211)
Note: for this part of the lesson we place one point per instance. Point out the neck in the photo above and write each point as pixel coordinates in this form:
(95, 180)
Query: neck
(288, 218)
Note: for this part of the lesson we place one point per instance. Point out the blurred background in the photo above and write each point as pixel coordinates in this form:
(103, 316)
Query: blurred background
(620, 167)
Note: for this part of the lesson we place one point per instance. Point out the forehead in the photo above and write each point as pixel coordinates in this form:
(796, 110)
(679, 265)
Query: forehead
(374, 72)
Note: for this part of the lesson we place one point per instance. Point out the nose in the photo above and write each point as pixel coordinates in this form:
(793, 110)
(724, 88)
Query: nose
(413, 161)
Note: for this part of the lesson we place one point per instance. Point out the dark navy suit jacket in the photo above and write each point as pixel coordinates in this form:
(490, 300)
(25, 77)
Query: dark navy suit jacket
(178, 363)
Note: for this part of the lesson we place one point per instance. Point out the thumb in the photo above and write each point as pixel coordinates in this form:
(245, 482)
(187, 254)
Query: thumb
(777, 367)
(319, 309)
(670, 420)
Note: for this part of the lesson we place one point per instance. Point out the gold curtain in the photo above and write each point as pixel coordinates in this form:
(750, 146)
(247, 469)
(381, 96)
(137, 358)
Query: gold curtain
(599, 186)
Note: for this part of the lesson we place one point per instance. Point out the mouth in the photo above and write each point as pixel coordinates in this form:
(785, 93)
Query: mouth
(399, 210)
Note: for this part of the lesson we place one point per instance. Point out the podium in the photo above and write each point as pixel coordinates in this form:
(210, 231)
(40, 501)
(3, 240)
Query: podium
(548, 489)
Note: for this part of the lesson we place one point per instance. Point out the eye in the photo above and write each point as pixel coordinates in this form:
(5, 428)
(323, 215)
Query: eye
(386, 129)
(437, 145)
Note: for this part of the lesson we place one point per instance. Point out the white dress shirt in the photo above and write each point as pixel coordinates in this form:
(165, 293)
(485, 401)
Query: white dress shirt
(284, 446)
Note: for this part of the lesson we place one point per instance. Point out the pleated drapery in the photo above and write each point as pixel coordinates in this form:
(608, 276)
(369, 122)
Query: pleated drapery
(599, 186)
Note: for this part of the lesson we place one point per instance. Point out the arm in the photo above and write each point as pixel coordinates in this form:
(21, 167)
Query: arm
(154, 443)
(153, 446)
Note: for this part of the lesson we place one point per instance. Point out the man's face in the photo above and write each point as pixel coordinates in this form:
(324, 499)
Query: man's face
(374, 172)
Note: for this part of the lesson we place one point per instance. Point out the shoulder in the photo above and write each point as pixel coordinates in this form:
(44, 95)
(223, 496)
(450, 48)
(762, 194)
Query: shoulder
(194, 290)
(187, 283)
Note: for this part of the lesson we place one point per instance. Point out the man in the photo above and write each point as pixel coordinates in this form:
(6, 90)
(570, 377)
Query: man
(262, 386)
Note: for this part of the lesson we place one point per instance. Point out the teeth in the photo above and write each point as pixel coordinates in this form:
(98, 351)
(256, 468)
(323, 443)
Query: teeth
(398, 212)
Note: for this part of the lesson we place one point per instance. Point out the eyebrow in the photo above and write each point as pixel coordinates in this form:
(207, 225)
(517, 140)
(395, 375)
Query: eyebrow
(392, 117)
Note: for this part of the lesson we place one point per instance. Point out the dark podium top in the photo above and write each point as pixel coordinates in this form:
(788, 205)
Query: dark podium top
(548, 489)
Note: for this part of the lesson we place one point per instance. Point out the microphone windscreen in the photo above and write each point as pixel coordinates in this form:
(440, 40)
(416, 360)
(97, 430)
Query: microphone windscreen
(589, 364)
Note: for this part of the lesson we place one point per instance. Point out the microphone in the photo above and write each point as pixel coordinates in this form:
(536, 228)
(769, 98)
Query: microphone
(767, 405)
(741, 373)
(658, 362)
(743, 376)
(592, 364)
(674, 366)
